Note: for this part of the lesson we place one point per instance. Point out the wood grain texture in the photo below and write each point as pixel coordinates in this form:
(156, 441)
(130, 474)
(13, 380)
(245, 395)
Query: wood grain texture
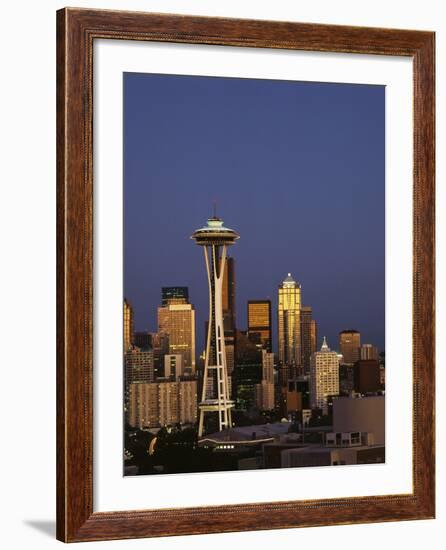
(76, 31)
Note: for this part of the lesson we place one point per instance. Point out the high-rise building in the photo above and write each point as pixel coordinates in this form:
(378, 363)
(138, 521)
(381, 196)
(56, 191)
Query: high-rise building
(349, 344)
(173, 366)
(179, 294)
(267, 366)
(367, 376)
(289, 326)
(368, 351)
(167, 402)
(230, 351)
(128, 325)
(294, 396)
(247, 372)
(346, 379)
(324, 377)
(142, 409)
(139, 365)
(247, 377)
(265, 390)
(247, 351)
(259, 322)
(228, 306)
(309, 335)
(215, 238)
(177, 321)
(160, 347)
(162, 403)
(228, 294)
(187, 401)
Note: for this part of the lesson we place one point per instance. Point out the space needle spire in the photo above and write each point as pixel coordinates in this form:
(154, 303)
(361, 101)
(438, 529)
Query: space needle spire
(215, 238)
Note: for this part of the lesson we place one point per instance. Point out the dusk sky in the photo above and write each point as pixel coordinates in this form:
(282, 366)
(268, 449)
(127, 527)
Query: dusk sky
(296, 168)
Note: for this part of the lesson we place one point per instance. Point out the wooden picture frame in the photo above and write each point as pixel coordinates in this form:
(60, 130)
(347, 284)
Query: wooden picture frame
(76, 31)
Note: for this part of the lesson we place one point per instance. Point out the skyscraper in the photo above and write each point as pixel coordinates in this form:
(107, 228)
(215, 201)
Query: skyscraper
(289, 327)
(309, 335)
(177, 321)
(128, 325)
(173, 366)
(139, 365)
(324, 377)
(349, 344)
(265, 390)
(367, 376)
(259, 321)
(228, 294)
(228, 306)
(248, 371)
(177, 293)
(215, 238)
(160, 347)
(368, 351)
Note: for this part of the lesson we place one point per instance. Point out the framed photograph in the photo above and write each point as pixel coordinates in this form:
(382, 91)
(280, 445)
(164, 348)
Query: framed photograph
(245, 275)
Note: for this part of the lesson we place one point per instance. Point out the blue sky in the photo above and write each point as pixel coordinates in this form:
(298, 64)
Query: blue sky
(296, 168)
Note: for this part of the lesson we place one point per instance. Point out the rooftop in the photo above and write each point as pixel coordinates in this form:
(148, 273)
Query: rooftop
(255, 433)
(289, 282)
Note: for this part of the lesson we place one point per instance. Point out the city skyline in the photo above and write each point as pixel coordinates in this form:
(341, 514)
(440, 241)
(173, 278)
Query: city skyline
(299, 198)
(232, 375)
(273, 318)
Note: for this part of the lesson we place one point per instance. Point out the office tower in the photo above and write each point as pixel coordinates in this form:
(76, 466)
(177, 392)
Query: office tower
(128, 325)
(230, 352)
(294, 396)
(177, 321)
(267, 366)
(173, 366)
(285, 373)
(228, 305)
(265, 390)
(215, 238)
(247, 372)
(346, 379)
(139, 365)
(259, 322)
(324, 377)
(179, 294)
(160, 347)
(247, 351)
(289, 329)
(162, 403)
(368, 351)
(309, 335)
(247, 377)
(367, 376)
(228, 294)
(349, 344)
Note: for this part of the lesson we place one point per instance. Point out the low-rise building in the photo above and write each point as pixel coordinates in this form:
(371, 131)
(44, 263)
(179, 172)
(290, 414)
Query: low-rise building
(360, 414)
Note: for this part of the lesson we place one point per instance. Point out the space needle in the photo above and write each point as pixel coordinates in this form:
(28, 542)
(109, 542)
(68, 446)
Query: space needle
(215, 238)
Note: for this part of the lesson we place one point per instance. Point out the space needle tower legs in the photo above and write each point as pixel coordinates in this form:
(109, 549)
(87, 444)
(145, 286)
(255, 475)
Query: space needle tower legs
(215, 393)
